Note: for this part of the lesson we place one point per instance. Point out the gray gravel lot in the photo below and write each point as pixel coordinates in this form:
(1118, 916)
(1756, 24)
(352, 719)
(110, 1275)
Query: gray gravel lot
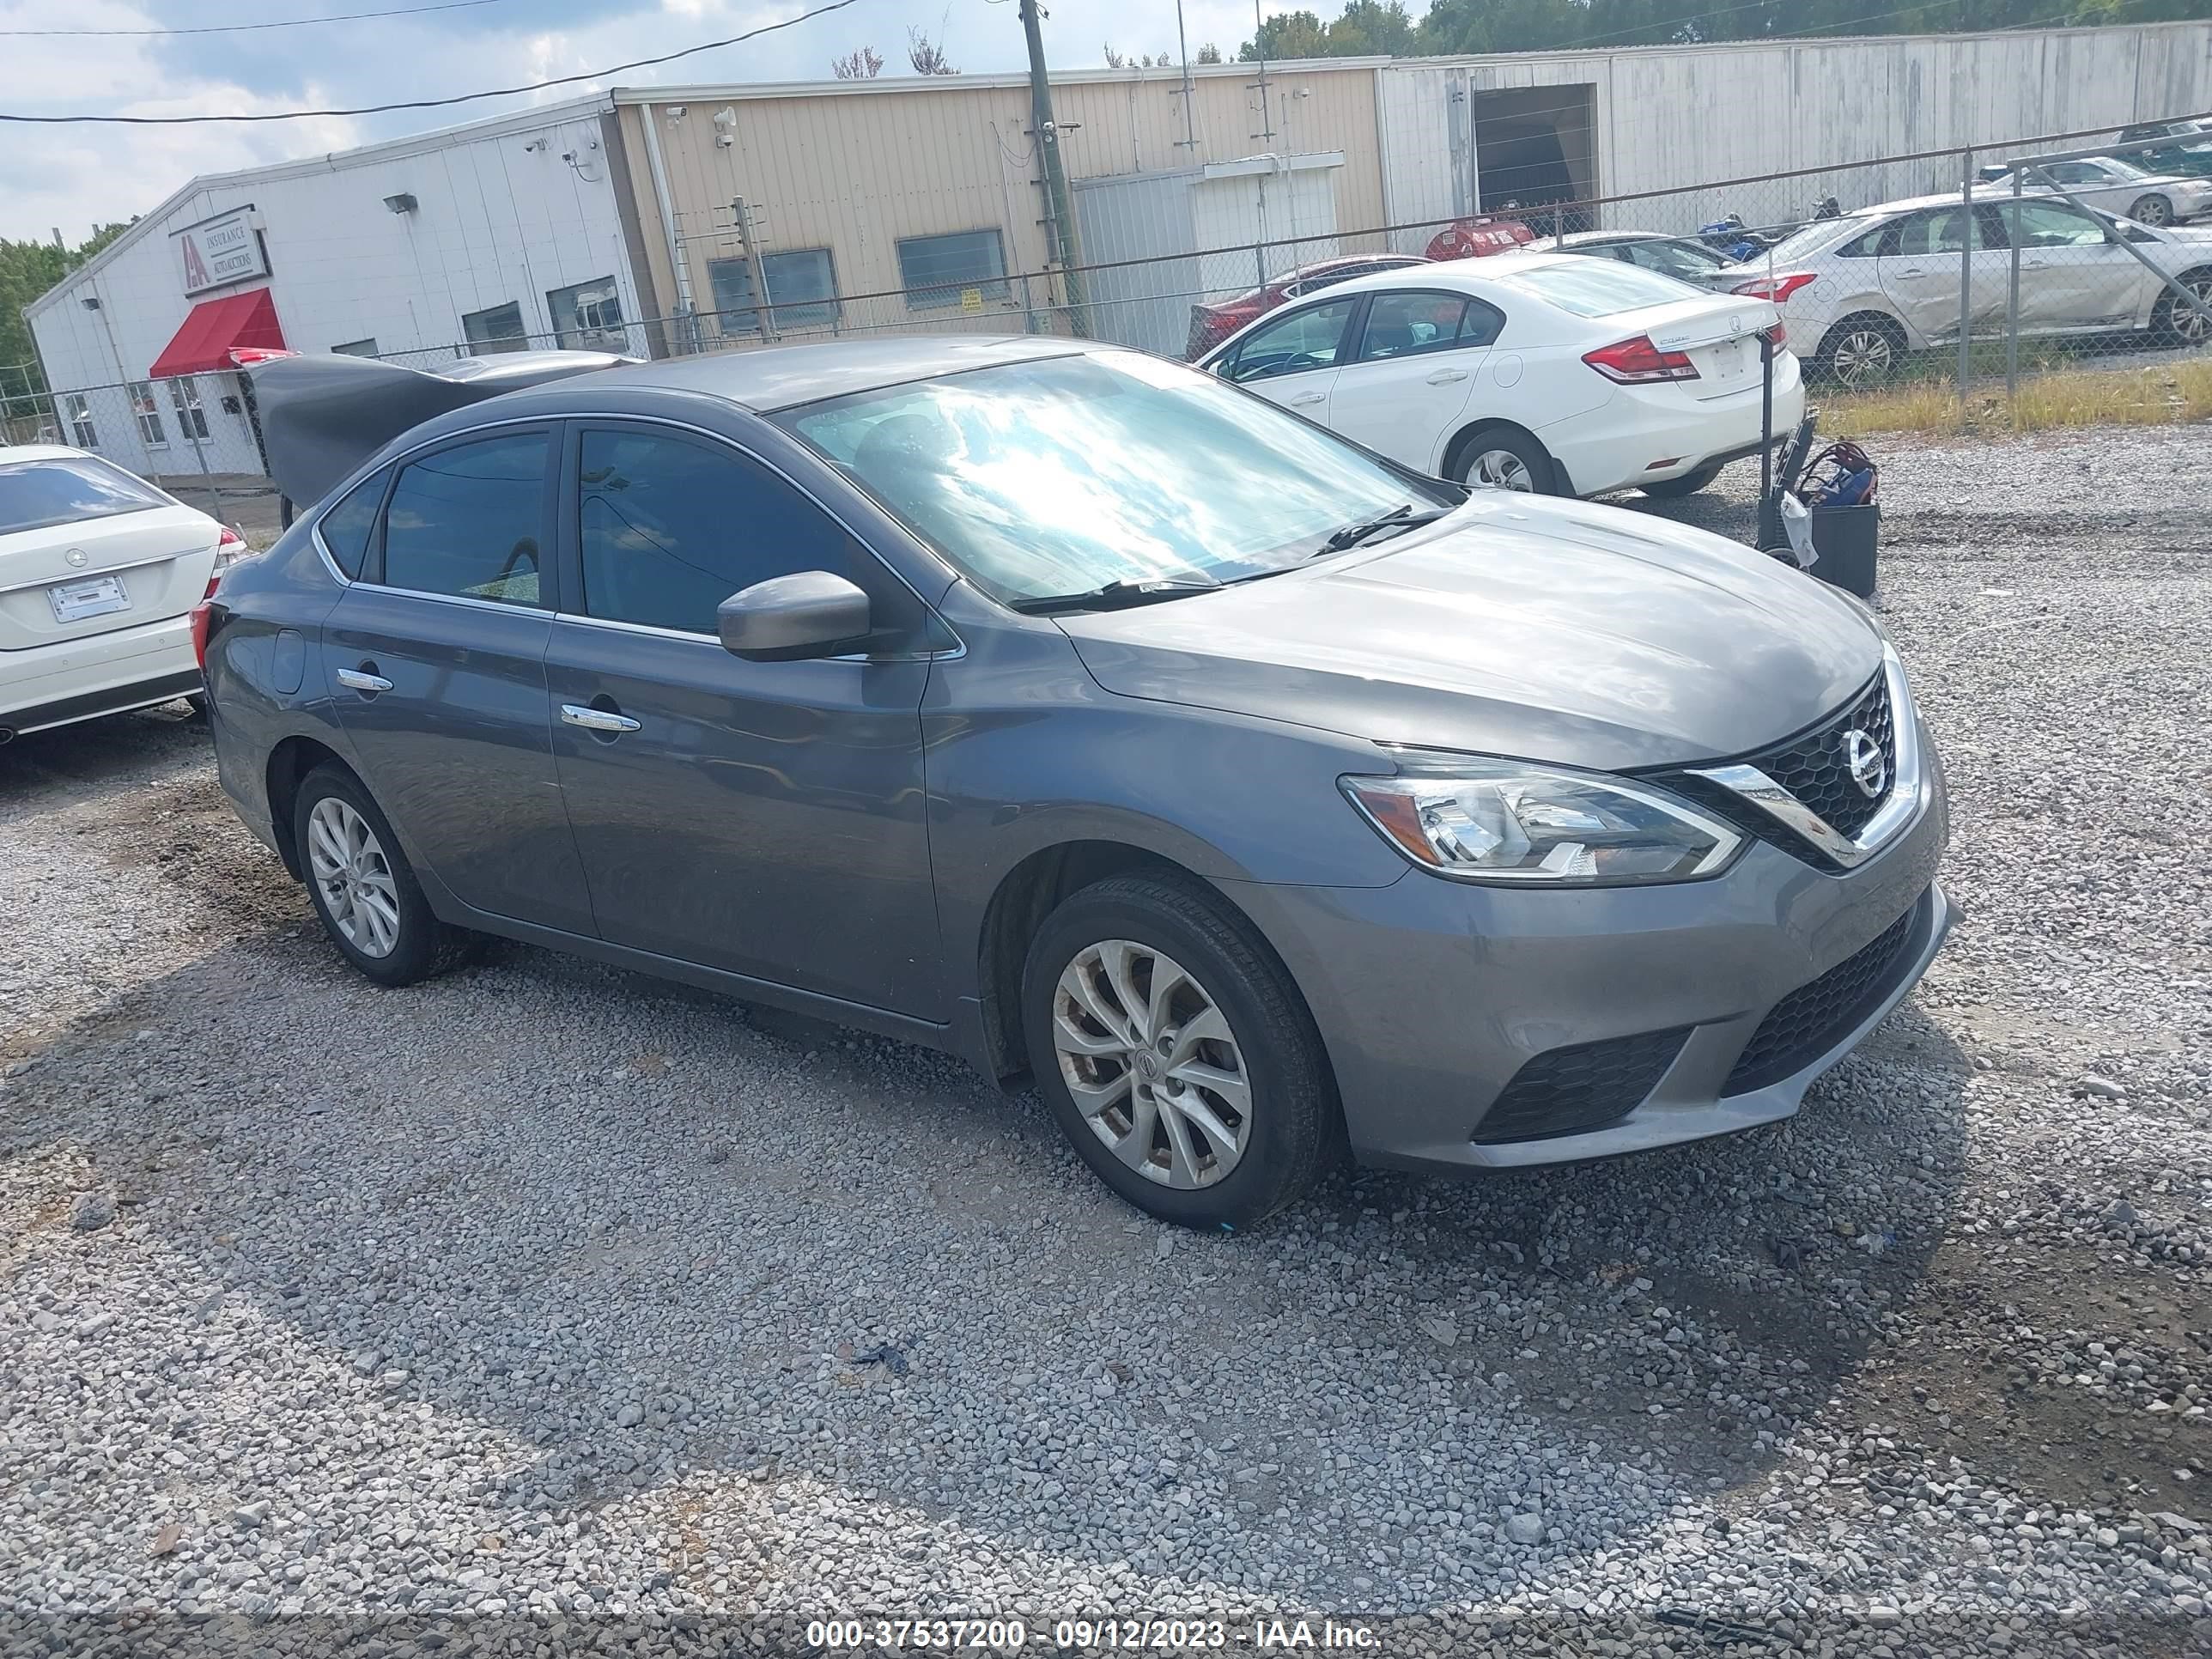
(544, 1307)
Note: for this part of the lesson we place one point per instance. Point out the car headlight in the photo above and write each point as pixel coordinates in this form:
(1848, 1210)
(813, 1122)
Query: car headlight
(1509, 822)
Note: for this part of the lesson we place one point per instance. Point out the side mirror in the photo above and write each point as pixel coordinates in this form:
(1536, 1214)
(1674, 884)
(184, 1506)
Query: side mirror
(810, 613)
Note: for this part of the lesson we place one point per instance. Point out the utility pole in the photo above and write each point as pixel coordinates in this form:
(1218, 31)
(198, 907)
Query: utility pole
(1060, 222)
(1189, 139)
(1266, 132)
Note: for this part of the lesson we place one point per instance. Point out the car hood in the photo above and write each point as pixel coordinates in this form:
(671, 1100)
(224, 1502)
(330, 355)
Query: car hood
(1581, 634)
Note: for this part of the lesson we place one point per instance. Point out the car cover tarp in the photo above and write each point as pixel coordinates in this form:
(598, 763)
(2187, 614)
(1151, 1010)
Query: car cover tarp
(322, 417)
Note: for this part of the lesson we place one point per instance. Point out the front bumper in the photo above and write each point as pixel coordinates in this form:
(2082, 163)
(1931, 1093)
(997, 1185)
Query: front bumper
(1431, 995)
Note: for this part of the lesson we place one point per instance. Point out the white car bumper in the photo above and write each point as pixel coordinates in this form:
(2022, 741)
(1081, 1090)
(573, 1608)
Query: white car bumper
(1650, 433)
(126, 668)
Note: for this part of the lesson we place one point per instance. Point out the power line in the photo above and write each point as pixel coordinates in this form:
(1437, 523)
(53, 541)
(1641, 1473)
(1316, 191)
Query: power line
(281, 23)
(422, 103)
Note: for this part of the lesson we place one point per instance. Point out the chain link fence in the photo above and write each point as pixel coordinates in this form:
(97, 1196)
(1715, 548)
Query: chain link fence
(1974, 275)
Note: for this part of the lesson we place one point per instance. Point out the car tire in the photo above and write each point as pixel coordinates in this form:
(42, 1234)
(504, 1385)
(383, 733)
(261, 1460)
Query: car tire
(2153, 210)
(371, 905)
(1669, 490)
(1505, 457)
(1257, 1077)
(1862, 353)
(2173, 324)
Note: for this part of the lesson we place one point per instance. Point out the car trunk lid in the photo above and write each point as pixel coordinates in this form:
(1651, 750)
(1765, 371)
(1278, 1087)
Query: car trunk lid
(1720, 337)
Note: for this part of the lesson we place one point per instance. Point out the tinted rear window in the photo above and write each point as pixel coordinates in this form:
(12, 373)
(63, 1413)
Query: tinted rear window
(69, 489)
(1599, 288)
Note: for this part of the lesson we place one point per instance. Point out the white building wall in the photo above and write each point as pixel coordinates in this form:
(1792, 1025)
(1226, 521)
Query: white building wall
(1666, 118)
(500, 218)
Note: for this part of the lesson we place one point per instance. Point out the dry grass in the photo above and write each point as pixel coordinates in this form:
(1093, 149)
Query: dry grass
(2166, 395)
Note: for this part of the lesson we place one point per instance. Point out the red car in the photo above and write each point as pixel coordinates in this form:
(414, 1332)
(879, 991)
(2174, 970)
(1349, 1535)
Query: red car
(1472, 239)
(1211, 325)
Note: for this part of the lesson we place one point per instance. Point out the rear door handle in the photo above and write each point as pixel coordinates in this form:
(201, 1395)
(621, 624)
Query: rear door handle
(1912, 271)
(2035, 265)
(1305, 398)
(363, 680)
(1446, 376)
(596, 720)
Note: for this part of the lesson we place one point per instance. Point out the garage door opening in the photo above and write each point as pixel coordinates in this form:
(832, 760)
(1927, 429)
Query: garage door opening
(1533, 150)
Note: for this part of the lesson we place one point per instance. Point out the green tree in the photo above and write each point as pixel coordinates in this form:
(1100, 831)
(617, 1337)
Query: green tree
(1287, 34)
(1372, 29)
(1208, 53)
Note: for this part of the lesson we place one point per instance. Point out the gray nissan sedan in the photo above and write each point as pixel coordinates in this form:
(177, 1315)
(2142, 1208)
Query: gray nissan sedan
(1074, 712)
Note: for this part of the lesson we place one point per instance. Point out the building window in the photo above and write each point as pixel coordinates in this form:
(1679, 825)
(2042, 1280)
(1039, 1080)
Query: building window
(191, 419)
(149, 416)
(497, 328)
(357, 347)
(82, 432)
(956, 272)
(802, 291)
(588, 315)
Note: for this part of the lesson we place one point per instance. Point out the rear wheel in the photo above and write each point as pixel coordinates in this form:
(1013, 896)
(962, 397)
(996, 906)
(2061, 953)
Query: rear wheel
(2172, 323)
(1175, 1055)
(1689, 483)
(363, 887)
(1505, 457)
(2153, 209)
(1863, 352)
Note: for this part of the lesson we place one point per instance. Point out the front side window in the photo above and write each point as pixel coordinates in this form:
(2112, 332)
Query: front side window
(191, 418)
(1058, 476)
(960, 272)
(68, 489)
(470, 521)
(670, 527)
(496, 328)
(149, 415)
(345, 529)
(1404, 325)
(1292, 344)
(2053, 224)
(1944, 230)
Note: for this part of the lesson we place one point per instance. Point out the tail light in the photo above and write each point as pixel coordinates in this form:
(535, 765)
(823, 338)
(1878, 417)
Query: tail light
(1638, 362)
(203, 614)
(230, 548)
(1778, 337)
(1777, 288)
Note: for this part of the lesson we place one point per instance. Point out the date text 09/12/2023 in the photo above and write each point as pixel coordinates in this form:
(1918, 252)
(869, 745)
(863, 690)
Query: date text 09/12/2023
(1096, 1635)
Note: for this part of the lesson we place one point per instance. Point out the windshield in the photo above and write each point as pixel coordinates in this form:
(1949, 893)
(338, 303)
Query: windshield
(67, 488)
(1589, 287)
(1042, 479)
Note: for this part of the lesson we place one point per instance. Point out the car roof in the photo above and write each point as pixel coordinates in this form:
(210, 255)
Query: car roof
(782, 377)
(1601, 238)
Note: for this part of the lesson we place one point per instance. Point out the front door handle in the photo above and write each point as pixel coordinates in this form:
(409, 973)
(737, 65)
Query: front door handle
(364, 680)
(1912, 271)
(1446, 376)
(596, 720)
(2035, 265)
(1305, 399)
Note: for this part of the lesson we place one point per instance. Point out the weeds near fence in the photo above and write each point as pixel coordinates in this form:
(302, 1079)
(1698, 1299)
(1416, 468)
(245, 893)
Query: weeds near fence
(2166, 395)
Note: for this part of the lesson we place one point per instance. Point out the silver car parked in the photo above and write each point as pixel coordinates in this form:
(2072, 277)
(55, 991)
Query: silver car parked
(1088, 717)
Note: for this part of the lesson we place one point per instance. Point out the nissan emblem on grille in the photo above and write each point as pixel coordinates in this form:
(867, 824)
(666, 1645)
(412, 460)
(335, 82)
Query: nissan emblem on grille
(1868, 767)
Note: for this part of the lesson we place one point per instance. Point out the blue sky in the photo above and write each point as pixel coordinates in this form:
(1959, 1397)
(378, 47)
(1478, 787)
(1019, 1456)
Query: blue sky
(75, 177)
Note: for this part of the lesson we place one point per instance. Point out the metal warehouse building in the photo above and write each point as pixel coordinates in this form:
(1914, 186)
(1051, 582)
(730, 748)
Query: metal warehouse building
(661, 219)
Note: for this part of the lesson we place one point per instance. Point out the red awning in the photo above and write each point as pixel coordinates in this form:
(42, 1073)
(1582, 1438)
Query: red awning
(216, 327)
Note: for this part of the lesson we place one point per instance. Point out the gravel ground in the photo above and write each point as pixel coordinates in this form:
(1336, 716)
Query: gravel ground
(545, 1308)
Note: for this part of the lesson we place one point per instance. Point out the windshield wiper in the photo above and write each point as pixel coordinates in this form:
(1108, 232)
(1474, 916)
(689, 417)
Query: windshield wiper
(1402, 517)
(1118, 595)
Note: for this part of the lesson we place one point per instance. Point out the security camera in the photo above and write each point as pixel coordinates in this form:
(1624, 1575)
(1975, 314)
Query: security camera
(724, 140)
(569, 156)
(678, 112)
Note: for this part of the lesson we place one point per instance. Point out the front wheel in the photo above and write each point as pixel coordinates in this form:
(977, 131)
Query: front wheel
(1669, 490)
(363, 887)
(1175, 1055)
(2175, 324)
(1503, 458)
(2153, 210)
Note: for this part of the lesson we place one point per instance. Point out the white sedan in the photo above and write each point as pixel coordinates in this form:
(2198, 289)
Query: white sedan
(1546, 372)
(99, 574)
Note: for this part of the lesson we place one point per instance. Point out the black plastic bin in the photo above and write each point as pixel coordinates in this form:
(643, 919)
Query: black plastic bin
(1845, 538)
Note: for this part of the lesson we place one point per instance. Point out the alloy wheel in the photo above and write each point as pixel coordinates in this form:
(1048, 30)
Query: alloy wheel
(350, 871)
(2153, 210)
(1150, 1061)
(1501, 469)
(1863, 358)
(2192, 326)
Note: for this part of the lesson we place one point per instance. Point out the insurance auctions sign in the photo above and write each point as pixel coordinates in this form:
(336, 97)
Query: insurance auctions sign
(219, 251)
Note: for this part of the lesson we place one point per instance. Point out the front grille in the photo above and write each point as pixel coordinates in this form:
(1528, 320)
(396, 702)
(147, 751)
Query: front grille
(1812, 1018)
(1564, 1091)
(1813, 768)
